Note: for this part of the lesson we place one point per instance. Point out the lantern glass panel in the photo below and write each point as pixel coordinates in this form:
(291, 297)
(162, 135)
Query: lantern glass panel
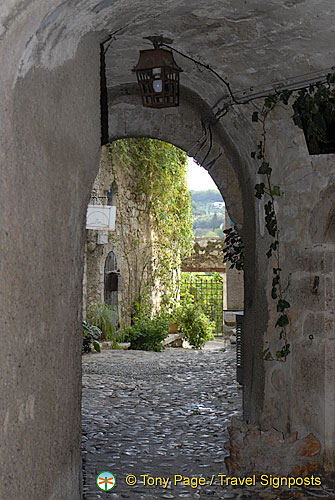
(157, 85)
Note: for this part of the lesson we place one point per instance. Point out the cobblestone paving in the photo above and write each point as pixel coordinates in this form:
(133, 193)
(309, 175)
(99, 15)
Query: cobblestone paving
(162, 414)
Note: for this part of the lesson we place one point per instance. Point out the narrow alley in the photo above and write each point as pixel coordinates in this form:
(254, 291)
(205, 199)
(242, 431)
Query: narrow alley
(159, 414)
(163, 414)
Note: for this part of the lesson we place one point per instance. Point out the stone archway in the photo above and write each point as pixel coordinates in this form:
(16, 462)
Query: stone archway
(50, 143)
(183, 127)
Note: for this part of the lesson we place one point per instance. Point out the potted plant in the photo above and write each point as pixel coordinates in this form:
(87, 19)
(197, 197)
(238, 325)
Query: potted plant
(195, 324)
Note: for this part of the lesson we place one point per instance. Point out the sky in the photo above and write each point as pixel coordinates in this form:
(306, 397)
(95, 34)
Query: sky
(198, 179)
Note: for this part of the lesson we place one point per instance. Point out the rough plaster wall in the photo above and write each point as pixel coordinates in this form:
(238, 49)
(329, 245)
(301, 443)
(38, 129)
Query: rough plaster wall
(263, 40)
(307, 379)
(45, 183)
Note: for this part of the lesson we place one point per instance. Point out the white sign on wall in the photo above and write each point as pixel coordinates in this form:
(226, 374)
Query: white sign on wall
(101, 217)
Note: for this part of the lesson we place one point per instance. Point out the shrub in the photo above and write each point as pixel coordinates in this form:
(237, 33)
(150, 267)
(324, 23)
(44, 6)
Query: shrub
(147, 334)
(104, 317)
(91, 336)
(196, 326)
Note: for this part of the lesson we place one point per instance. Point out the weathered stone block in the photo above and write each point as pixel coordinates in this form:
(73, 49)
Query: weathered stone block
(272, 436)
(309, 447)
(251, 437)
(270, 452)
(239, 424)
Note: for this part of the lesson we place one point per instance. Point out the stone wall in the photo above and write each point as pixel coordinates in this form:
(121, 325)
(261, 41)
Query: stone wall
(273, 392)
(253, 450)
(41, 271)
(208, 256)
(131, 242)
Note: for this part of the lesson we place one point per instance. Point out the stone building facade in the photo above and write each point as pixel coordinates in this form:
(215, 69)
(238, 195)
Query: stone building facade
(119, 265)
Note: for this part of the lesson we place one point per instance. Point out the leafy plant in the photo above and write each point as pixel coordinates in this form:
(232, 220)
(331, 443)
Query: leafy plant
(314, 112)
(195, 324)
(104, 317)
(160, 169)
(147, 333)
(234, 249)
(202, 289)
(91, 336)
(269, 192)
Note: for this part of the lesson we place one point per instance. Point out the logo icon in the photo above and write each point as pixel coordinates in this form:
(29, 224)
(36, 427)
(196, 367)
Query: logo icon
(106, 481)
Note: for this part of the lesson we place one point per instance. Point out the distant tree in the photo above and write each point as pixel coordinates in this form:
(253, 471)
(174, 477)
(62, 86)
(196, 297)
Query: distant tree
(196, 209)
(209, 196)
(215, 222)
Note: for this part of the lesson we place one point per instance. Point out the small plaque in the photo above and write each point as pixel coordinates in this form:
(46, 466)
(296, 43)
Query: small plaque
(101, 217)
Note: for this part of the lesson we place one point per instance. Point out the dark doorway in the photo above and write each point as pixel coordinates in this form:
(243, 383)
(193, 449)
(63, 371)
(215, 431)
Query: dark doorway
(111, 280)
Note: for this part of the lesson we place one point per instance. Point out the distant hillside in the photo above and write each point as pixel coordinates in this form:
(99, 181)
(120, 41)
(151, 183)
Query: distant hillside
(209, 196)
(208, 212)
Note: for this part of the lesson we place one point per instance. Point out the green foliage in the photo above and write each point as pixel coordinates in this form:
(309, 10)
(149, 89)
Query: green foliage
(268, 191)
(196, 211)
(218, 233)
(191, 314)
(161, 172)
(193, 293)
(205, 197)
(195, 324)
(213, 221)
(234, 249)
(147, 333)
(91, 336)
(104, 317)
(207, 217)
(314, 112)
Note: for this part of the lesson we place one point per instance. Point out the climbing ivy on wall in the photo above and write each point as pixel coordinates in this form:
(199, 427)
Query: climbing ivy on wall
(269, 192)
(234, 249)
(314, 113)
(161, 173)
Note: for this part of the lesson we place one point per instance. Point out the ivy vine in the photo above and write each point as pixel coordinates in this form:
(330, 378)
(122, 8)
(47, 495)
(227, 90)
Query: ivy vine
(160, 169)
(234, 249)
(314, 113)
(269, 192)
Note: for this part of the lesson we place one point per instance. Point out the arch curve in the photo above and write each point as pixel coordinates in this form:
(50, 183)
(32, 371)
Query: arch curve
(191, 127)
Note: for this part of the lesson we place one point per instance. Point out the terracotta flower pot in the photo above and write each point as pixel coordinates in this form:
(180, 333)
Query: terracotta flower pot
(173, 328)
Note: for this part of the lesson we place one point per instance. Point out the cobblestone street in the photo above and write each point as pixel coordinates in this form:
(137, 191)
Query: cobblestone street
(161, 414)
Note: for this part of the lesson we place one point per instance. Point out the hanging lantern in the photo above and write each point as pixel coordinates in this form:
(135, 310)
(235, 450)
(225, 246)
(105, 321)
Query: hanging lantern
(158, 78)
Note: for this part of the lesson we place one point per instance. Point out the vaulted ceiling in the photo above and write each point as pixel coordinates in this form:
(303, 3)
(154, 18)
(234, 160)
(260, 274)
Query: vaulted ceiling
(249, 42)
